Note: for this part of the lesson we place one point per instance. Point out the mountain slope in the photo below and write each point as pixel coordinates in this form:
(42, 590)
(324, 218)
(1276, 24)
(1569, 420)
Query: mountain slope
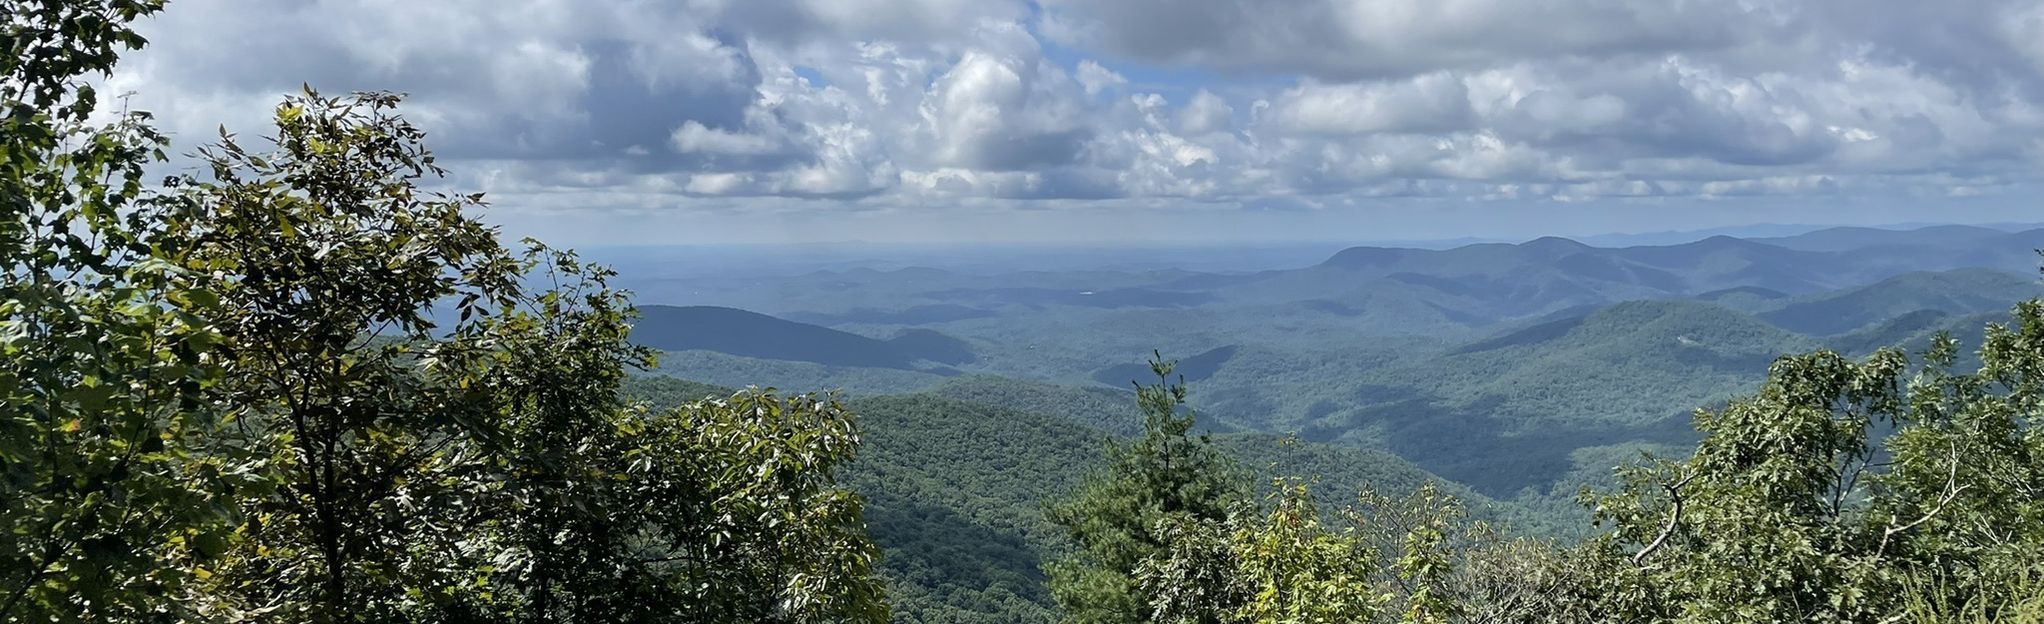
(1958, 291)
(1504, 413)
(1110, 410)
(1850, 238)
(1195, 368)
(738, 332)
(929, 344)
(955, 488)
(1651, 352)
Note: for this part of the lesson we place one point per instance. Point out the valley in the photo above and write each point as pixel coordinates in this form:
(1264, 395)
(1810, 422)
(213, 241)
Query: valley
(1519, 373)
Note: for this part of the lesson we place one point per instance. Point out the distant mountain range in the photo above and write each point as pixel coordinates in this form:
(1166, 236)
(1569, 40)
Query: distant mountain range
(1521, 372)
(1512, 368)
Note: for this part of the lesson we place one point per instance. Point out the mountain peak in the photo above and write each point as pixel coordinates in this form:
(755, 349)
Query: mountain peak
(1554, 242)
(1553, 246)
(1365, 257)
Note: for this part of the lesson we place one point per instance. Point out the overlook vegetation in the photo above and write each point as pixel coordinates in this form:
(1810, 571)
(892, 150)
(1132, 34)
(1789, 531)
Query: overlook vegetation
(299, 383)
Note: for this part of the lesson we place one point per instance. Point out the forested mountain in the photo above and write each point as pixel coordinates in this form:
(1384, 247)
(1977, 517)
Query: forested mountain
(1937, 237)
(1957, 291)
(955, 480)
(1398, 290)
(1523, 371)
(749, 334)
(1527, 393)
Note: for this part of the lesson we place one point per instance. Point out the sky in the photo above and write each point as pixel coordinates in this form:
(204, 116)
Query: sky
(592, 122)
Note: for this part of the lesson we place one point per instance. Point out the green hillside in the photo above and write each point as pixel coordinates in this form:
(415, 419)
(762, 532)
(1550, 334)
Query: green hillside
(1504, 413)
(1105, 409)
(1958, 291)
(750, 334)
(954, 492)
(955, 482)
(1620, 365)
(740, 371)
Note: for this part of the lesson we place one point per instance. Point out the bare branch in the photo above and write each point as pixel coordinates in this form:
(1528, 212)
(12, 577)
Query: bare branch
(1674, 520)
(1952, 491)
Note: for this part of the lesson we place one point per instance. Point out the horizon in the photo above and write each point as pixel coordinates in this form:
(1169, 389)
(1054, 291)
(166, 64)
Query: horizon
(1771, 230)
(650, 264)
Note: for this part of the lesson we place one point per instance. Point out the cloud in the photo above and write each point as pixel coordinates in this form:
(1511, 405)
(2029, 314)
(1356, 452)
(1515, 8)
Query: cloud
(1206, 113)
(1095, 78)
(694, 137)
(1429, 103)
(997, 112)
(878, 105)
(1351, 39)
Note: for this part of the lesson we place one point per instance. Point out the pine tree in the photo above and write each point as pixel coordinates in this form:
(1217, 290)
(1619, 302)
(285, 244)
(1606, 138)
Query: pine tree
(1167, 475)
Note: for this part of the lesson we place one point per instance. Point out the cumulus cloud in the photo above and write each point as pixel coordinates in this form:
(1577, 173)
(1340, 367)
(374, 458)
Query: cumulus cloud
(1430, 103)
(694, 137)
(1000, 112)
(1206, 113)
(860, 104)
(1095, 77)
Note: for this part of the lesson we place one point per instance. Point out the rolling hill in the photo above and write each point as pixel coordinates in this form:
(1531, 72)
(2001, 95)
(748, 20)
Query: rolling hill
(955, 487)
(1958, 292)
(1195, 368)
(1851, 238)
(1512, 368)
(1505, 413)
(749, 334)
(1519, 372)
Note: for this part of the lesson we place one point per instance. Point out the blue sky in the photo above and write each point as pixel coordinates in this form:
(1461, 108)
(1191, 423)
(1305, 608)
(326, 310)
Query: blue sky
(700, 121)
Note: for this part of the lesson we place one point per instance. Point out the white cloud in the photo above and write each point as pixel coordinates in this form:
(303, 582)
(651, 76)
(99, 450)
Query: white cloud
(1205, 113)
(1096, 78)
(694, 137)
(1429, 103)
(1315, 103)
(1005, 108)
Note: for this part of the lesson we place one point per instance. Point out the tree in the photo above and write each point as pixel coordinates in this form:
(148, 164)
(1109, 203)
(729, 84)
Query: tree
(325, 259)
(1794, 508)
(484, 466)
(301, 388)
(743, 518)
(117, 492)
(1963, 503)
(1409, 559)
(1166, 475)
(1263, 568)
(599, 510)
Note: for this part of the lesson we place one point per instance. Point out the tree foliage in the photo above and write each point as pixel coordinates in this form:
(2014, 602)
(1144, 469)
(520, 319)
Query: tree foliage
(1842, 491)
(1795, 507)
(1166, 475)
(111, 492)
(1411, 559)
(295, 385)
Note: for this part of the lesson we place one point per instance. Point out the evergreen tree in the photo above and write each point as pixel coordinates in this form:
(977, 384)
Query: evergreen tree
(1167, 475)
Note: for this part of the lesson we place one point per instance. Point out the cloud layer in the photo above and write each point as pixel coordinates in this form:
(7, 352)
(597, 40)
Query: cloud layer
(805, 105)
